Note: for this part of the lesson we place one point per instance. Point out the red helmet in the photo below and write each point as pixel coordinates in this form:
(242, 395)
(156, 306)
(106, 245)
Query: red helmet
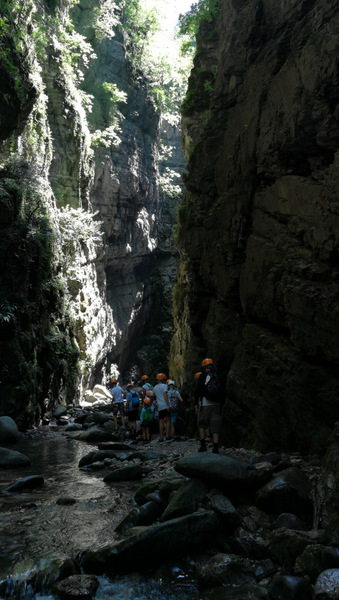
(161, 376)
(144, 377)
(206, 362)
(197, 375)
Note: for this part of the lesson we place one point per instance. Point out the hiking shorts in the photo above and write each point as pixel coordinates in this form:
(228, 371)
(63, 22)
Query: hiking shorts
(210, 417)
(133, 415)
(118, 408)
(164, 413)
(174, 416)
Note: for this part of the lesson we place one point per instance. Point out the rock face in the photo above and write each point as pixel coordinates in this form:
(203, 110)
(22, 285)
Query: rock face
(258, 229)
(92, 292)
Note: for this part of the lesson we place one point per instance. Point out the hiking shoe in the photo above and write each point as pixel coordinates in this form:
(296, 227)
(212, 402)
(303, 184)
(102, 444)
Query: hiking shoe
(160, 440)
(202, 449)
(215, 450)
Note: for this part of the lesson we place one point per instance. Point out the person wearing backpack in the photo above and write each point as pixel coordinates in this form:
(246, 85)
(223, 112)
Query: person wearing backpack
(146, 418)
(145, 386)
(174, 398)
(133, 402)
(209, 396)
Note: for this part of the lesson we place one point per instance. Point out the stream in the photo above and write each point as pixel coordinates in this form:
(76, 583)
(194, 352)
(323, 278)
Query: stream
(35, 529)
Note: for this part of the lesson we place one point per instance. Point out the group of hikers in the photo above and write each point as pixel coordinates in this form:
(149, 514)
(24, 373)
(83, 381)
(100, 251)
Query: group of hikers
(155, 409)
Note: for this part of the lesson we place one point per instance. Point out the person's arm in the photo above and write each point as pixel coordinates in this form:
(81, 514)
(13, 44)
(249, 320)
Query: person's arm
(166, 399)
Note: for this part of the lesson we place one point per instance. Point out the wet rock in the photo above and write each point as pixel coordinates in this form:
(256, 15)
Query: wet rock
(186, 499)
(285, 545)
(10, 459)
(143, 515)
(151, 545)
(58, 412)
(95, 456)
(327, 585)
(66, 501)
(290, 521)
(250, 545)
(94, 434)
(102, 418)
(229, 474)
(288, 587)
(225, 510)
(128, 473)
(79, 587)
(9, 432)
(162, 487)
(315, 559)
(74, 427)
(289, 491)
(231, 569)
(26, 483)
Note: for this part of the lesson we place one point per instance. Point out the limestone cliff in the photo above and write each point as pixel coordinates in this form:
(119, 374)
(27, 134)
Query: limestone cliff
(80, 207)
(258, 228)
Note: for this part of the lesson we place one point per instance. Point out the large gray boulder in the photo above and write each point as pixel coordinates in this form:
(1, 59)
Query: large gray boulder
(327, 585)
(186, 499)
(25, 483)
(229, 474)
(9, 433)
(151, 545)
(10, 459)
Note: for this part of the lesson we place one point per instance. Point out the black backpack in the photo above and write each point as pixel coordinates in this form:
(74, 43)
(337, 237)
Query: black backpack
(212, 386)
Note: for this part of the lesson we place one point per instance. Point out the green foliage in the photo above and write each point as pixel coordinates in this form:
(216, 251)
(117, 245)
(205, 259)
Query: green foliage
(203, 10)
(32, 367)
(78, 225)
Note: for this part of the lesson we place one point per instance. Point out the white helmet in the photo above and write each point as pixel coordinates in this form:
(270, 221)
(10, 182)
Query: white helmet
(170, 382)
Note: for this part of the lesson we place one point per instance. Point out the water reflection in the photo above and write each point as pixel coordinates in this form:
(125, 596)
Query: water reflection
(33, 527)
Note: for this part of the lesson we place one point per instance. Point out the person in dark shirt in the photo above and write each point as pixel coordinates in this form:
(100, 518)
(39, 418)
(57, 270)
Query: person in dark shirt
(209, 397)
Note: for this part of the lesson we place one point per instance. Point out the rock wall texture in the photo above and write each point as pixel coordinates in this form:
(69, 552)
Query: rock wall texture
(259, 226)
(85, 300)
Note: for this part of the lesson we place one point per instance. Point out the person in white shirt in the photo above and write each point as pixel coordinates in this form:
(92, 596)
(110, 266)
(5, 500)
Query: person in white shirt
(118, 404)
(160, 395)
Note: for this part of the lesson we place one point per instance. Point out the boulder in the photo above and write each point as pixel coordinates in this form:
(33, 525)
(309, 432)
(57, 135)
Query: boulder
(9, 459)
(285, 545)
(26, 483)
(103, 391)
(327, 585)
(9, 433)
(143, 515)
(186, 499)
(152, 545)
(225, 510)
(94, 434)
(289, 491)
(129, 473)
(230, 569)
(78, 587)
(290, 521)
(315, 559)
(59, 411)
(288, 587)
(236, 592)
(89, 397)
(224, 472)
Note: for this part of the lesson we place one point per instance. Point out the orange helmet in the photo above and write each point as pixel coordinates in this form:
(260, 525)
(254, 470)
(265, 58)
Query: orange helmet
(113, 380)
(149, 394)
(161, 376)
(197, 375)
(128, 385)
(144, 377)
(147, 400)
(206, 362)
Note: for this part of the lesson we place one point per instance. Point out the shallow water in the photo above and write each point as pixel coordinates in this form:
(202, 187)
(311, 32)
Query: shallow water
(33, 527)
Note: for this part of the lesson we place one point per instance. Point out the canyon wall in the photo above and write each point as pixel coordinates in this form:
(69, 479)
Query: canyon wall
(87, 254)
(259, 225)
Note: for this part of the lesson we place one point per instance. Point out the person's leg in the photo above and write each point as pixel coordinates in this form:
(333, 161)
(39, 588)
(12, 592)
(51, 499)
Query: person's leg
(161, 428)
(168, 425)
(215, 427)
(202, 428)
